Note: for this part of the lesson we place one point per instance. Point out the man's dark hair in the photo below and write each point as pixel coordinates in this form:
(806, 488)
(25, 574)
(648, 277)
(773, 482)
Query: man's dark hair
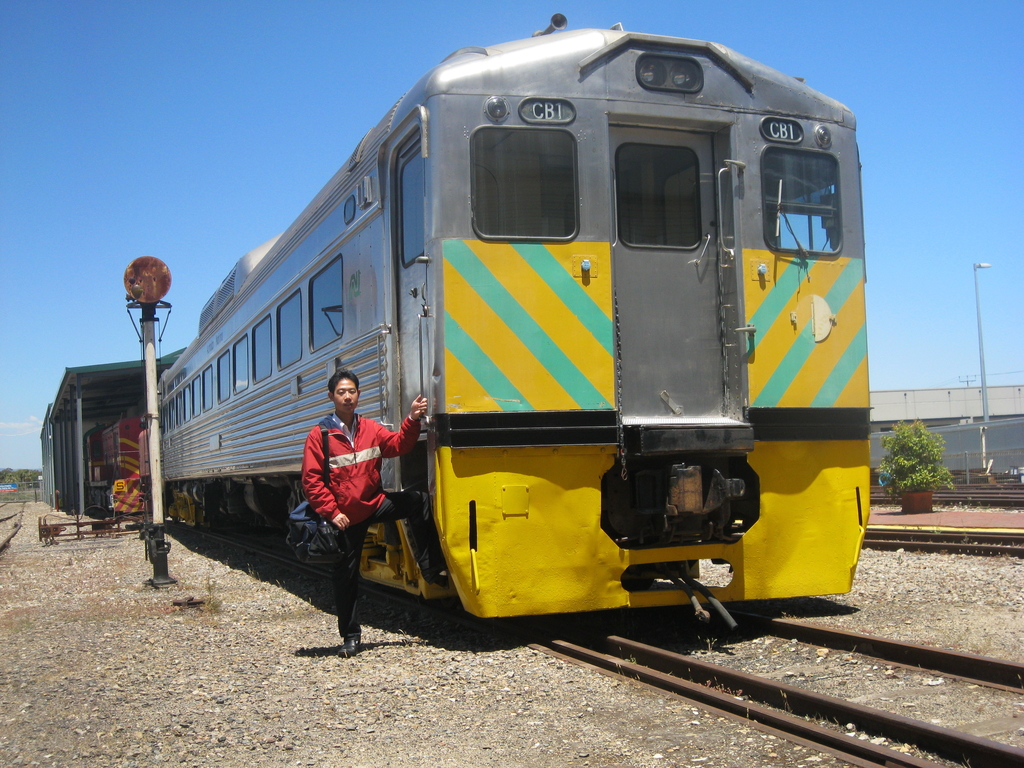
(342, 373)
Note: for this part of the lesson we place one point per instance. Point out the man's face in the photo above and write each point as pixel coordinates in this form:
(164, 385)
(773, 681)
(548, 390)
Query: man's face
(345, 397)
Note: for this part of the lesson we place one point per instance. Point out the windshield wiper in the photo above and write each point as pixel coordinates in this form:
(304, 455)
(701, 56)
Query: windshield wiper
(778, 223)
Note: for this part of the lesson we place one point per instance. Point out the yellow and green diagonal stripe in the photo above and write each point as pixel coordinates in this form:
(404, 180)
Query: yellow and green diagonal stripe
(787, 367)
(522, 333)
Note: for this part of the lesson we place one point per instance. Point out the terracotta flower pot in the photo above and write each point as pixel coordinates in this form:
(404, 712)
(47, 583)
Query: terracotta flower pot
(917, 501)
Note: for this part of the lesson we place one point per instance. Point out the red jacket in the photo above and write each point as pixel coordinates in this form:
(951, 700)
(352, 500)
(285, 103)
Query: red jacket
(355, 469)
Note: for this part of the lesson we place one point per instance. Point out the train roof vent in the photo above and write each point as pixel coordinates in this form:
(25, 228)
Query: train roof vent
(234, 281)
(218, 300)
(250, 261)
(372, 137)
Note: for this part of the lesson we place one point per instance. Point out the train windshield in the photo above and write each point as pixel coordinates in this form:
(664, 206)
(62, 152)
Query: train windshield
(524, 184)
(801, 201)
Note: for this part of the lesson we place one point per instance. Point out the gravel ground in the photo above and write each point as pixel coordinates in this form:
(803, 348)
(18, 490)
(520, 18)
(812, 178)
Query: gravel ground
(98, 669)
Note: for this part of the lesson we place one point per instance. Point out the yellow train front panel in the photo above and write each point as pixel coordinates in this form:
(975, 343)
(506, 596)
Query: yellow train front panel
(526, 328)
(522, 532)
(810, 346)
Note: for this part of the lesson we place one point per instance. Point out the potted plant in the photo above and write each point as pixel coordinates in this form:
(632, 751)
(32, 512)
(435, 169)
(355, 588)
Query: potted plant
(913, 466)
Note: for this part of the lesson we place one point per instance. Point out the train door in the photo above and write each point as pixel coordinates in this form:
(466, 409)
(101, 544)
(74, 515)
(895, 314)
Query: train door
(666, 278)
(412, 275)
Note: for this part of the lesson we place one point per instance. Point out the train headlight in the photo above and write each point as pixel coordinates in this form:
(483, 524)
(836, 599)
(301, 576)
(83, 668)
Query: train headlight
(651, 73)
(496, 109)
(669, 73)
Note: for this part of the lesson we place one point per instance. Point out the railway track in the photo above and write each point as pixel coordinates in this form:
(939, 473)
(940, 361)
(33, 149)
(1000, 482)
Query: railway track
(983, 495)
(795, 713)
(802, 716)
(950, 542)
(970, 668)
(6, 540)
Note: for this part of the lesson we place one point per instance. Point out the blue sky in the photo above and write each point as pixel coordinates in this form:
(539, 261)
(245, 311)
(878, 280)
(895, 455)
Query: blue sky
(194, 131)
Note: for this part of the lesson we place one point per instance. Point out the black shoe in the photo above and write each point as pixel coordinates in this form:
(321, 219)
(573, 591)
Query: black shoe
(350, 647)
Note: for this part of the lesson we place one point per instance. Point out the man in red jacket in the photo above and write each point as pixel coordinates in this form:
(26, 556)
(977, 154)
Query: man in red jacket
(353, 500)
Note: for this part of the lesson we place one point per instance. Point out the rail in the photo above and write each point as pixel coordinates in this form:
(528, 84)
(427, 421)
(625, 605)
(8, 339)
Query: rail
(947, 542)
(974, 669)
(14, 532)
(787, 707)
(1003, 495)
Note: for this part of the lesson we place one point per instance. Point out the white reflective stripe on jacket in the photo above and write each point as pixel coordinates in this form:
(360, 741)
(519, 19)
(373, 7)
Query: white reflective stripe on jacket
(348, 459)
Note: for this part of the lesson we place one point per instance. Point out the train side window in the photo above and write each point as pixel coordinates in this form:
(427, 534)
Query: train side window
(326, 319)
(262, 350)
(223, 377)
(524, 184)
(240, 353)
(186, 402)
(657, 196)
(208, 388)
(289, 330)
(801, 200)
(197, 395)
(411, 197)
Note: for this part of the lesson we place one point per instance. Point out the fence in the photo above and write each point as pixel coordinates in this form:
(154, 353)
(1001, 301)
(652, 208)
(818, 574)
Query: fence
(970, 466)
(977, 452)
(22, 492)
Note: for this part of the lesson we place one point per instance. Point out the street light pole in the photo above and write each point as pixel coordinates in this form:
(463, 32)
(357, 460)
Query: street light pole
(981, 343)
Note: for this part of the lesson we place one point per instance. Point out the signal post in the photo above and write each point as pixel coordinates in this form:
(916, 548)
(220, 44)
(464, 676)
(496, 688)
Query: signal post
(147, 280)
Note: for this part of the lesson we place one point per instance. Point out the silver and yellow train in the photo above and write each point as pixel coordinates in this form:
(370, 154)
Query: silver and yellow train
(628, 273)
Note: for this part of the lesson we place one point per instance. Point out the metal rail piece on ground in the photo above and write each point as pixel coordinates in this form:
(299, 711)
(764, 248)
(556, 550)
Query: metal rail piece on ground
(54, 527)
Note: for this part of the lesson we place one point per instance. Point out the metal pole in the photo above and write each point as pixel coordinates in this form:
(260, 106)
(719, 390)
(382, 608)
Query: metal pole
(79, 448)
(981, 343)
(157, 545)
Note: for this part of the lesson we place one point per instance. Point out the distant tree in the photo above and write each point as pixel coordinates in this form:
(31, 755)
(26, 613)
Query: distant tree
(19, 475)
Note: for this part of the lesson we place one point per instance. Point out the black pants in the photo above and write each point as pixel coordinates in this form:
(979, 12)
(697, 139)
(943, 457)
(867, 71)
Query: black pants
(414, 508)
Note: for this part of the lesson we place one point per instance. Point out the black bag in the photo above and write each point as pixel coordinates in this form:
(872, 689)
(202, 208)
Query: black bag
(312, 538)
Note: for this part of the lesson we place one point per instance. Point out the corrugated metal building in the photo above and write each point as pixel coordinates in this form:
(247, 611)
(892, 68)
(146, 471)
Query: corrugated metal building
(88, 397)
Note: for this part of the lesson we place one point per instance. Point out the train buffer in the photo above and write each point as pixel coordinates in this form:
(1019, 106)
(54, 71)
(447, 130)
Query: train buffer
(55, 527)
